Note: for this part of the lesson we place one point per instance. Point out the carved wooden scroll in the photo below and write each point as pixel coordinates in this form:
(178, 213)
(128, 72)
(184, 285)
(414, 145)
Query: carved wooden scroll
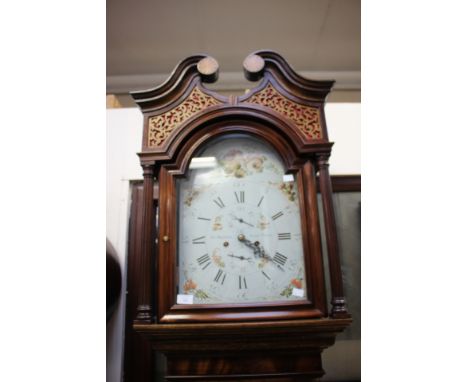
(183, 97)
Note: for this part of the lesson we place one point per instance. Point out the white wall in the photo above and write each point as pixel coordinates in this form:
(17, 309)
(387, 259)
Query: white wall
(344, 128)
(124, 133)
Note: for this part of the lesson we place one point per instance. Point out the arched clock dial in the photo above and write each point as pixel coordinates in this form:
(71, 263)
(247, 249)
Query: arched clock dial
(240, 236)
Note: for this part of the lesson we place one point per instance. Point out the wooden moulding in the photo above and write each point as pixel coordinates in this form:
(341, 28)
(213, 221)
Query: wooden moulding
(145, 308)
(169, 107)
(295, 334)
(339, 306)
(167, 309)
(278, 67)
(244, 351)
(346, 183)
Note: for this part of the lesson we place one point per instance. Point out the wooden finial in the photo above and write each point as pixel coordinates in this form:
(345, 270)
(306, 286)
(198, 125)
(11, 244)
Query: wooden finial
(253, 67)
(208, 68)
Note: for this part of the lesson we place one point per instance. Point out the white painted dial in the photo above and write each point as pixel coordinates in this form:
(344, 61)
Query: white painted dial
(240, 234)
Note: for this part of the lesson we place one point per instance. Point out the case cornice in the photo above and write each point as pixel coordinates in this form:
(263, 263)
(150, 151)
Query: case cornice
(277, 66)
(184, 74)
(175, 106)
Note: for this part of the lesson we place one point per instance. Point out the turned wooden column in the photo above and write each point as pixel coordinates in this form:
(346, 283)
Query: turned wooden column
(144, 308)
(338, 301)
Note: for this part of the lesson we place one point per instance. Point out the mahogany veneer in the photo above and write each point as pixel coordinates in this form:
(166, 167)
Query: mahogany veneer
(231, 351)
(263, 341)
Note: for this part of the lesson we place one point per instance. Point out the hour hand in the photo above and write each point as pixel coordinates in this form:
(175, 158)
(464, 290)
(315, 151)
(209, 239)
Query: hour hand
(240, 220)
(240, 257)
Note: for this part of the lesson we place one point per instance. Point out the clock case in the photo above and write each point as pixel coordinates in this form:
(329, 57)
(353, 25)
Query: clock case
(180, 116)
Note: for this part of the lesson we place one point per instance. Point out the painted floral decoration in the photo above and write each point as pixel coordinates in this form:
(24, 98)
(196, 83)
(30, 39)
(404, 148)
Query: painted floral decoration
(189, 285)
(234, 168)
(217, 259)
(255, 164)
(200, 294)
(217, 223)
(190, 288)
(288, 190)
(191, 195)
(263, 223)
(295, 283)
(239, 164)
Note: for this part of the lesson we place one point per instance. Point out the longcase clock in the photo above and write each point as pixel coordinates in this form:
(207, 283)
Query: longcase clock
(231, 285)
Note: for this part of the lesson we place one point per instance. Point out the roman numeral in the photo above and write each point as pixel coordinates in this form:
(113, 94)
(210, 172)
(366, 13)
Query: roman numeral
(218, 276)
(205, 259)
(279, 258)
(241, 197)
(219, 202)
(284, 236)
(276, 216)
(264, 274)
(199, 240)
(260, 202)
(242, 283)
(204, 219)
